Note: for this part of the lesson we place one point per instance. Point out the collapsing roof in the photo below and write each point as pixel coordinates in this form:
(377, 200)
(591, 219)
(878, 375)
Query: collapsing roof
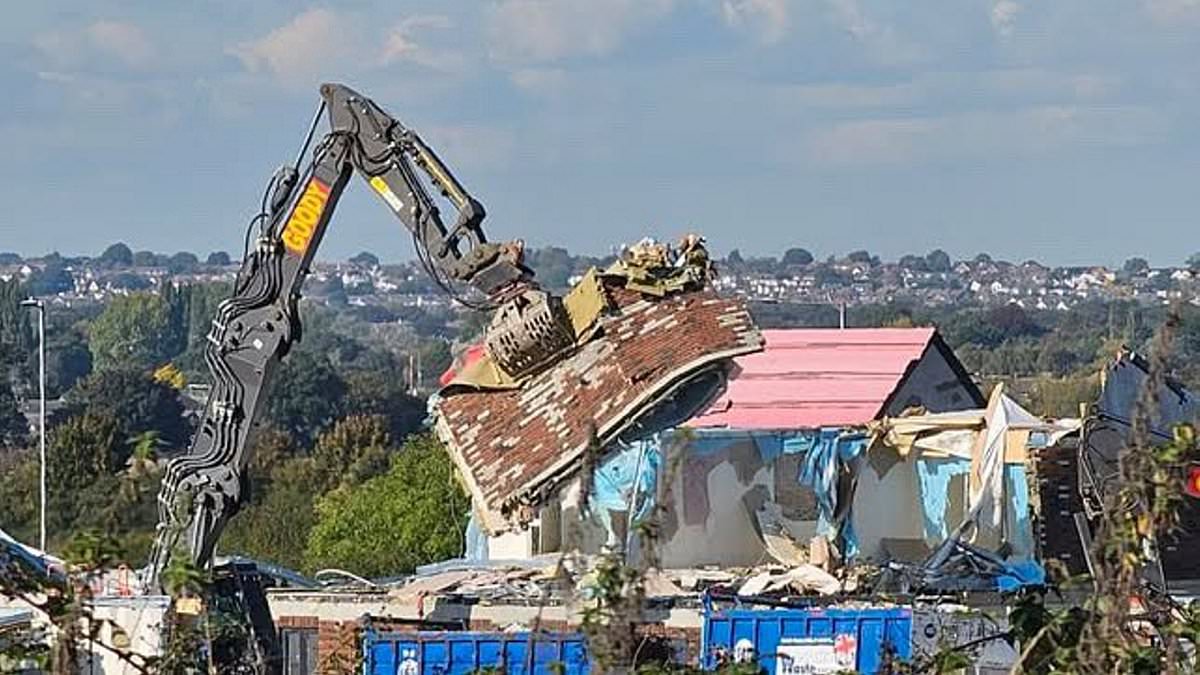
(512, 444)
(658, 350)
(811, 378)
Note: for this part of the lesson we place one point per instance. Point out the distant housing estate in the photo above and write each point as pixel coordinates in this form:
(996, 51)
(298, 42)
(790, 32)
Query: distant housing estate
(364, 281)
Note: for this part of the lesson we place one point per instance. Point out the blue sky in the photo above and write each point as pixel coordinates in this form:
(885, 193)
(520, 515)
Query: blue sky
(1064, 131)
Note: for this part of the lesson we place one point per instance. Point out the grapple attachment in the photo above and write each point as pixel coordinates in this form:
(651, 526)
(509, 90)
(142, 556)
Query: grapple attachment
(528, 331)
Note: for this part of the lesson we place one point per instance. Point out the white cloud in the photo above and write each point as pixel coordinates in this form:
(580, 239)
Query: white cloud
(402, 45)
(124, 40)
(121, 41)
(315, 42)
(1004, 15)
(1026, 132)
(547, 30)
(881, 41)
(769, 19)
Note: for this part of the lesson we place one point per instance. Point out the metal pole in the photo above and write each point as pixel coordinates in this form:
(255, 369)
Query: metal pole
(33, 303)
(42, 391)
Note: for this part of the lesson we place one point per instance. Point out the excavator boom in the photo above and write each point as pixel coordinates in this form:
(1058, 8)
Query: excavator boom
(257, 325)
(641, 345)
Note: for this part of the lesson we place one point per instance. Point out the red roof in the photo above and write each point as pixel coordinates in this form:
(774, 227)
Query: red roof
(809, 378)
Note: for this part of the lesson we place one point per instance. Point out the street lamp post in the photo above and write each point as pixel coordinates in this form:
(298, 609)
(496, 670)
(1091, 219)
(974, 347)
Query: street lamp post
(34, 303)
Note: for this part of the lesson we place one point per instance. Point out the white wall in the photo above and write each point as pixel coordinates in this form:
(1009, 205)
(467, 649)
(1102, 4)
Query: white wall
(887, 507)
(139, 619)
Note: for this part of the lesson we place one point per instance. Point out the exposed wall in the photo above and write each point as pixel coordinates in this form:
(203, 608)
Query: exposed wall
(716, 487)
(720, 480)
(887, 507)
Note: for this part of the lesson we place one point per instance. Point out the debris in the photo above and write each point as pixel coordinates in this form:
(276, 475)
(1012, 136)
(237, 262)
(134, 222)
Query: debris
(802, 579)
(779, 541)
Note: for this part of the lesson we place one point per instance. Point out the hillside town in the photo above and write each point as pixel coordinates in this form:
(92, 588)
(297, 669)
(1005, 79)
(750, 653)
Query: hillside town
(932, 280)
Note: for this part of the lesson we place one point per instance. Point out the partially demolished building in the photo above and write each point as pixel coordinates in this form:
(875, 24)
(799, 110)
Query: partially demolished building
(826, 448)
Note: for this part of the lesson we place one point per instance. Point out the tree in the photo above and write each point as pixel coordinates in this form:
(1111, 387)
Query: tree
(181, 262)
(16, 333)
(1135, 266)
(365, 259)
(137, 331)
(914, 263)
(412, 515)
(83, 448)
(307, 396)
(797, 256)
(201, 301)
(145, 259)
(1193, 262)
(218, 259)
(51, 279)
(859, 256)
(354, 450)
(383, 393)
(1012, 321)
(19, 471)
(67, 359)
(133, 398)
(117, 255)
(276, 526)
(734, 259)
(551, 264)
(10, 258)
(128, 281)
(435, 357)
(938, 260)
(14, 428)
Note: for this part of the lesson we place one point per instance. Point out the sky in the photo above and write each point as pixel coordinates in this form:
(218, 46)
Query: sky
(1063, 131)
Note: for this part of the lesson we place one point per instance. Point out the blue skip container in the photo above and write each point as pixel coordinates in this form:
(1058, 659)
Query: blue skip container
(459, 653)
(811, 639)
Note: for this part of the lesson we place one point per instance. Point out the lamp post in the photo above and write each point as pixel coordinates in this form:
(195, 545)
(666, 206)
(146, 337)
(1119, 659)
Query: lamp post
(34, 303)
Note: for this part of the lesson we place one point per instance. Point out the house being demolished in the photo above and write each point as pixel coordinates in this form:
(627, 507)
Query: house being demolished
(656, 345)
(828, 461)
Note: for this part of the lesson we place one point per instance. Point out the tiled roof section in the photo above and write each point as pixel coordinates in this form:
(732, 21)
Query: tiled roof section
(808, 378)
(513, 445)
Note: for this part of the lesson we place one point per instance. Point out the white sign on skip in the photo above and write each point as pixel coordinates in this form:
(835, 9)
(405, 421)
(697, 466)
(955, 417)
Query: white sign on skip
(801, 656)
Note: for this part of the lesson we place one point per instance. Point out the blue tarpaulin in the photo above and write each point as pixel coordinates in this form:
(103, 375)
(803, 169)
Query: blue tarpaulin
(477, 540)
(826, 454)
(1019, 530)
(934, 475)
(627, 480)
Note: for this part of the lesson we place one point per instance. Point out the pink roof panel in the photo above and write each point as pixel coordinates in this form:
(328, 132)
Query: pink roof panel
(808, 378)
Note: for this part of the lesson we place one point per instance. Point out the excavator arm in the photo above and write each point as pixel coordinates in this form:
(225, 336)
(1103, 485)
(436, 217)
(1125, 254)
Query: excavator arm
(257, 325)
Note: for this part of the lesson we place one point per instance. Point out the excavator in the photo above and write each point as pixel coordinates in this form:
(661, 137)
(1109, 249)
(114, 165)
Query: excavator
(530, 334)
